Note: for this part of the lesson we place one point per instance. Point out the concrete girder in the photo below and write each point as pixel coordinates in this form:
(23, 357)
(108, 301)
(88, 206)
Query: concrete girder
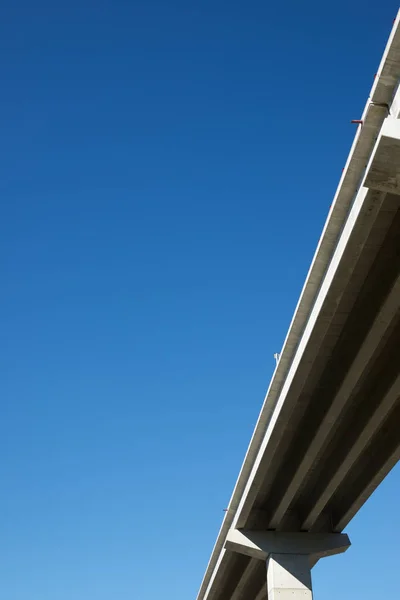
(240, 592)
(382, 93)
(359, 224)
(391, 459)
(388, 313)
(374, 423)
(384, 167)
(262, 594)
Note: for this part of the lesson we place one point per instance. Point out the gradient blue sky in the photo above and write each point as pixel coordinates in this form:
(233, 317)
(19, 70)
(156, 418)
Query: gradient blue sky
(166, 168)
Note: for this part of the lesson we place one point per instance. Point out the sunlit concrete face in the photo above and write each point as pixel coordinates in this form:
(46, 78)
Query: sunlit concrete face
(384, 170)
(289, 577)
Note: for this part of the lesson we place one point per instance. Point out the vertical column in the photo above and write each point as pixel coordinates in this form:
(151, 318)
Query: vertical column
(289, 577)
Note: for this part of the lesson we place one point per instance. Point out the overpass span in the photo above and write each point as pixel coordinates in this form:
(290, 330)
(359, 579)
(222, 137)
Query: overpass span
(329, 429)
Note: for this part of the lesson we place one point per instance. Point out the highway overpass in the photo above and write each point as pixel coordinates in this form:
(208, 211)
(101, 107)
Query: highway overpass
(329, 429)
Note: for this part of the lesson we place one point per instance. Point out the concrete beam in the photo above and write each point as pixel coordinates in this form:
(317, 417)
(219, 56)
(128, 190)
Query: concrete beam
(383, 171)
(382, 92)
(372, 426)
(358, 226)
(241, 588)
(260, 544)
(215, 581)
(387, 465)
(388, 313)
(262, 594)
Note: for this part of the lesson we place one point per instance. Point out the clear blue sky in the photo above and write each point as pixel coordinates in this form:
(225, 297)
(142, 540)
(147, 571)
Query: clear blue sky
(166, 168)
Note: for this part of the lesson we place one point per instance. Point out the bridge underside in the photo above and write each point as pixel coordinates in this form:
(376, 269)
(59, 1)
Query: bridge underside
(329, 430)
(345, 395)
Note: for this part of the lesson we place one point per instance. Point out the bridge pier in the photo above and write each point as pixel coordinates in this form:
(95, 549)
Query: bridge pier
(289, 577)
(289, 557)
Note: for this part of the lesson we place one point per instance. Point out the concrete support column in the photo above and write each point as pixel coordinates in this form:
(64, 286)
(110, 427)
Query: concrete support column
(289, 577)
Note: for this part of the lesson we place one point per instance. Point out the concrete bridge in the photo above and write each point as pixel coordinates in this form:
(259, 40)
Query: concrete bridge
(329, 430)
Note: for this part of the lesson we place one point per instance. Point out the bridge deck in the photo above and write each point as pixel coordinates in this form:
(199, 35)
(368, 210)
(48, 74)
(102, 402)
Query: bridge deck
(329, 429)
